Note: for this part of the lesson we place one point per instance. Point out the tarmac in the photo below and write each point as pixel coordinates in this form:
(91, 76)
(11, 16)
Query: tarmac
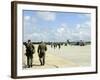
(66, 56)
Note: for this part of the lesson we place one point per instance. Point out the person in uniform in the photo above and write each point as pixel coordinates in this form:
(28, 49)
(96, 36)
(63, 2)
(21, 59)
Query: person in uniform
(59, 45)
(41, 52)
(30, 50)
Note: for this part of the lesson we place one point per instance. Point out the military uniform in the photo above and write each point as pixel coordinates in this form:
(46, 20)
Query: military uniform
(30, 50)
(59, 45)
(41, 52)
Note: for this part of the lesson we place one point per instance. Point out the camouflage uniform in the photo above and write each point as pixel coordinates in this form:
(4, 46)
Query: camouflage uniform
(30, 50)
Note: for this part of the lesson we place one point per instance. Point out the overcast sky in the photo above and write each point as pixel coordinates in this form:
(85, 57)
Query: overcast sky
(56, 26)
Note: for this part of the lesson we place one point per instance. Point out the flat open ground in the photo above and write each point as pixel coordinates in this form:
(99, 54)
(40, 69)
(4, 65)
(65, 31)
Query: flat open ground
(66, 56)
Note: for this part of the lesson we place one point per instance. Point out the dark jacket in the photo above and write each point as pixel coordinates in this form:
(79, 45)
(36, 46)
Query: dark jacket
(30, 50)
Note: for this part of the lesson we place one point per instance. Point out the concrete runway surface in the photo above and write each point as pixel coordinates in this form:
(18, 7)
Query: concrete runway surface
(66, 56)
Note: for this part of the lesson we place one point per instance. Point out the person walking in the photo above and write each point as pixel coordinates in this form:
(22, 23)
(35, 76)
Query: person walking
(30, 50)
(42, 48)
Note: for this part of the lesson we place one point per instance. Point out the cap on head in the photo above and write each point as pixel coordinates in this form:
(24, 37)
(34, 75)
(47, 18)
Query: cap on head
(29, 40)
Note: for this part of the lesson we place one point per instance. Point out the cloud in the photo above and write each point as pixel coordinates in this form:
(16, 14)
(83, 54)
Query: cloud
(85, 17)
(47, 16)
(82, 31)
(78, 32)
(30, 28)
(30, 19)
(27, 18)
(29, 23)
(62, 33)
(35, 36)
(60, 30)
(63, 28)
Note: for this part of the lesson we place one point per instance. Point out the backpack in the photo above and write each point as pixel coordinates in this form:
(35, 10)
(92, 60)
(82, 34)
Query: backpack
(30, 48)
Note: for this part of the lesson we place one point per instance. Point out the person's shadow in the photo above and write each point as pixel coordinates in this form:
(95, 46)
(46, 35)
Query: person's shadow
(36, 65)
(25, 66)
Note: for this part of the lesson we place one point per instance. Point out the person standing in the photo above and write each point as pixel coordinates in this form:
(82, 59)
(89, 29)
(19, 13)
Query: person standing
(42, 48)
(30, 50)
(59, 45)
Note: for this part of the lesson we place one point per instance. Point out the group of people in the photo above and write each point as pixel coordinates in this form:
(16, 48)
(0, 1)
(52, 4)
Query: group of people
(55, 45)
(30, 50)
